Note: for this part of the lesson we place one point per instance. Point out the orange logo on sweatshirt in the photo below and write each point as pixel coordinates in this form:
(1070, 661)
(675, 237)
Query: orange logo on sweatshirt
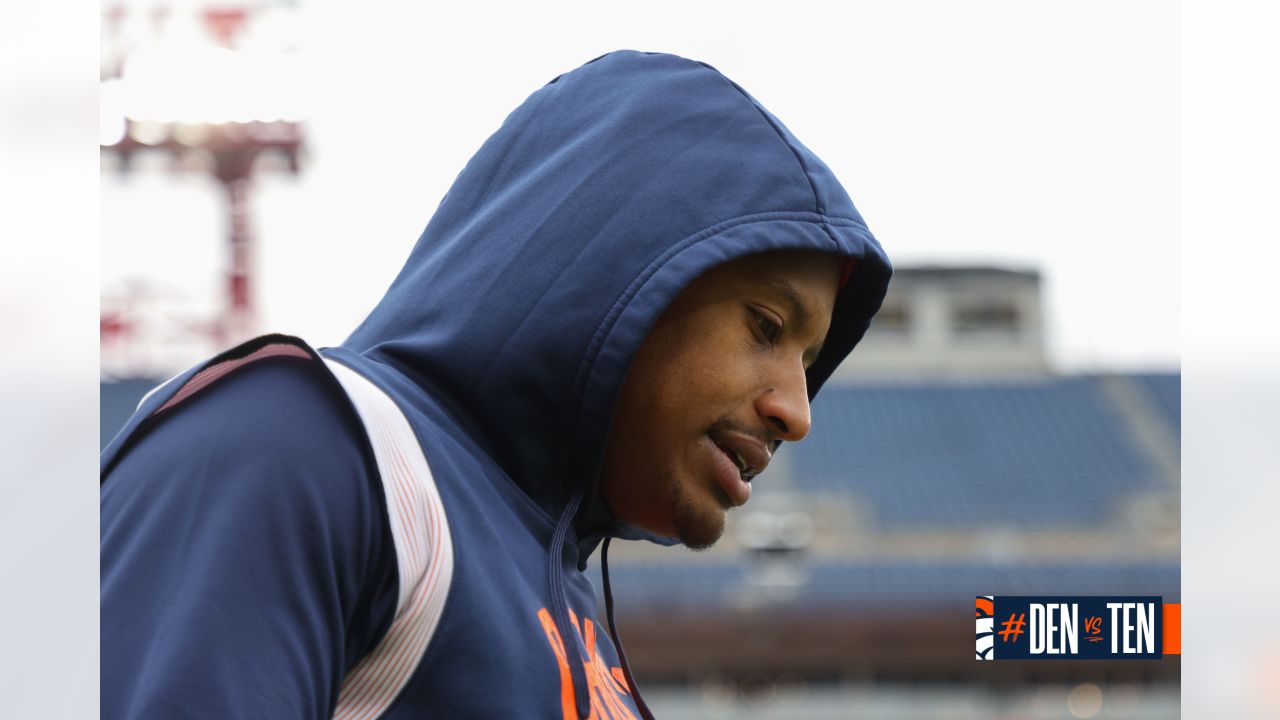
(605, 686)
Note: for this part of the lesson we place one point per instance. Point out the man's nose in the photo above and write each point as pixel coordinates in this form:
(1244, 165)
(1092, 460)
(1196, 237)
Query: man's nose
(785, 407)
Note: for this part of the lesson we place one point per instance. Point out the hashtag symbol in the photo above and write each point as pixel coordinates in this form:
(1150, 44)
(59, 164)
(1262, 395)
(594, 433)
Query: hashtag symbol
(1013, 626)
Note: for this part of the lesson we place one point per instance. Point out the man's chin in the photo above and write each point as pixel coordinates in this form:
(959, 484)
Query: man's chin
(698, 528)
(700, 543)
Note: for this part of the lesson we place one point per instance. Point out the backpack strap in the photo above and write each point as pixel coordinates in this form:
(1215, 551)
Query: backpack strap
(424, 550)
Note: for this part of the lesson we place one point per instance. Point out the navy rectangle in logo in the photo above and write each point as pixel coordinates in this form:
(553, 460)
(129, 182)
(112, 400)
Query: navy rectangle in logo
(1071, 627)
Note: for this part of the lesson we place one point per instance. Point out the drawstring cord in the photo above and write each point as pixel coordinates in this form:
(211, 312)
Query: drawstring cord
(613, 630)
(560, 609)
(560, 613)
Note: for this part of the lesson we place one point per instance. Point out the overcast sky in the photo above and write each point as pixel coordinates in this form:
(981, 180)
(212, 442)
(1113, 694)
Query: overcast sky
(1033, 135)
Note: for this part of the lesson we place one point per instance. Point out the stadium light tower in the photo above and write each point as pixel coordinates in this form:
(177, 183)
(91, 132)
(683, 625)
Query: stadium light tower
(214, 86)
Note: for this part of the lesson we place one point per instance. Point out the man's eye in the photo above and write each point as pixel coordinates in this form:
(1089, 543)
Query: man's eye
(769, 328)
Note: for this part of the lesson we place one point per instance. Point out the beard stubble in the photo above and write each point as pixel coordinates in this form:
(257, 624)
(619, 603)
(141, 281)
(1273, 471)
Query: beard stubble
(697, 528)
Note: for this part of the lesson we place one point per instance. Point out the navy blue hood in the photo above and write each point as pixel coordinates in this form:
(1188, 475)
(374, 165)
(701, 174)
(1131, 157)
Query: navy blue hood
(576, 224)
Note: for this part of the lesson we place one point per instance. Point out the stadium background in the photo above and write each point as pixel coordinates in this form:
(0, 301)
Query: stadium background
(955, 454)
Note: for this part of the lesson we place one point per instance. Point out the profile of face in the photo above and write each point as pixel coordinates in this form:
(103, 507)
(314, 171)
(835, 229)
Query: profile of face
(716, 385)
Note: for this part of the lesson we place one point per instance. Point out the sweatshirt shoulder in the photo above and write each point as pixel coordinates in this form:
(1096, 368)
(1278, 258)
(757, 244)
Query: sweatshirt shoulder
(265, 431)
(245, 522)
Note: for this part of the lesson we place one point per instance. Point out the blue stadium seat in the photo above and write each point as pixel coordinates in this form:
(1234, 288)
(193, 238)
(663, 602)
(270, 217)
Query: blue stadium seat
(897, 584)
(1165, 390)
(932, 454)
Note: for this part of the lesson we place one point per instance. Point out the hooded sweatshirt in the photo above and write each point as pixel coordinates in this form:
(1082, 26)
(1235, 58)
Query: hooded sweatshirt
(398, 527)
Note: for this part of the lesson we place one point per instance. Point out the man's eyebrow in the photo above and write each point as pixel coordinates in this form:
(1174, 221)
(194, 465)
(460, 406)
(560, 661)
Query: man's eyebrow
(799, 312)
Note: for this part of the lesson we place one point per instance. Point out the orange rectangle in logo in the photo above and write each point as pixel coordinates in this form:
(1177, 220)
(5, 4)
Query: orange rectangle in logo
(1173, 628)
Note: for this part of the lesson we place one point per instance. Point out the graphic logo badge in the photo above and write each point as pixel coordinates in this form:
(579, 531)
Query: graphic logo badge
(1075, 627)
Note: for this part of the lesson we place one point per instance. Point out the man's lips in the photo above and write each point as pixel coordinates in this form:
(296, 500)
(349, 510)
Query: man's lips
(747, 452)
(727, 473)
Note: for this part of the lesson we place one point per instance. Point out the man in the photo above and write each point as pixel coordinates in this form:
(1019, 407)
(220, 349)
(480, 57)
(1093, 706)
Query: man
(621, 307)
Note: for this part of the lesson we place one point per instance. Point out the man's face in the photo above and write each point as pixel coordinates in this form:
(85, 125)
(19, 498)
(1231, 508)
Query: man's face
(719, 381)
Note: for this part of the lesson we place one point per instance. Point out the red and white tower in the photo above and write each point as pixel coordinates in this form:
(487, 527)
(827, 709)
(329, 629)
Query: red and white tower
(216, 85)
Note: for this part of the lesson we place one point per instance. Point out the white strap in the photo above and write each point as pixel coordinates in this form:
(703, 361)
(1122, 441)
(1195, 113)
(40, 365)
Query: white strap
(424, 551)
